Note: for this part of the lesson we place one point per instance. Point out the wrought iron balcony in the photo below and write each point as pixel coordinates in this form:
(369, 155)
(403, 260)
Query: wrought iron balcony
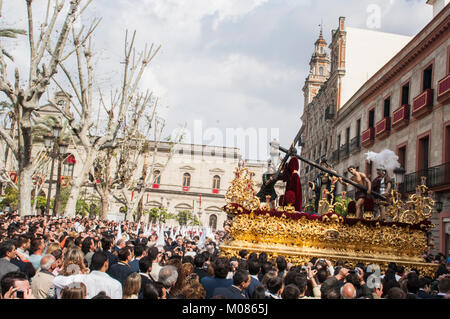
(423, 104)
(443, 94)
(335, 156)
(368, 137)
(383, 128)
(355, 144)
(437, 176)
(344, 151)
(400, 117)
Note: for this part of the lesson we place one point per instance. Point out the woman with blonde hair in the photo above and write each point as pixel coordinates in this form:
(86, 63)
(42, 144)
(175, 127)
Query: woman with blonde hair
(74, 262)
(73, 265)
(52, 247)
(132, 286)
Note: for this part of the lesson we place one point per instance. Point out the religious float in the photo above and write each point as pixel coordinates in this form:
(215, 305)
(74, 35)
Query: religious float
(300, 236)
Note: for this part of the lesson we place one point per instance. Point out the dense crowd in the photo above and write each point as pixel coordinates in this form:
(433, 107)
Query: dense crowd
(80, 258)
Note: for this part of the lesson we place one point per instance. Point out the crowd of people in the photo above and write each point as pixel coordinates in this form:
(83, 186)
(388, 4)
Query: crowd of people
(60, 258)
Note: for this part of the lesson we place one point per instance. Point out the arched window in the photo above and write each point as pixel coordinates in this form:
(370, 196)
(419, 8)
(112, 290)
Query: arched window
(157, 177)
(186, 180)
(68, 165)
(213, 221)
(216, 182)
(321, 70)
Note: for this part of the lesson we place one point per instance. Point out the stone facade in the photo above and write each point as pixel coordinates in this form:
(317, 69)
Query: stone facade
(355, 54)
(405, 107)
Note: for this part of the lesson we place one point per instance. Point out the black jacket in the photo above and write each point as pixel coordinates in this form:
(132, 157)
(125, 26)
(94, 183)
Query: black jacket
(144, 281)
(120, 271)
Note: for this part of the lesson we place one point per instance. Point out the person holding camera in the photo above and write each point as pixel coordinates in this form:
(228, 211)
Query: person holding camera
(15, 285)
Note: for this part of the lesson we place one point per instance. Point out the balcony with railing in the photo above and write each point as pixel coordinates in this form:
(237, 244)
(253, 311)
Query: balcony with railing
(423, 104)
(443, 94)
(383, 128)
(400, 117)
(436, 177)
(355, 144)
(368, 137)
(344, 151)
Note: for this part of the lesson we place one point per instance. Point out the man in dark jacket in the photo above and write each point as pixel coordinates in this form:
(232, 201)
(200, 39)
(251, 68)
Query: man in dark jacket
(107, 243)
(221, 269)
(424, 288)
(145, 267)
(254, 267)
(241, 281)
(200, 262)
(121, 270)
(7, 253)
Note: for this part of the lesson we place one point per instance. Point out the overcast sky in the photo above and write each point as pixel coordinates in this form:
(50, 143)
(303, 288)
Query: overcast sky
(228, 63)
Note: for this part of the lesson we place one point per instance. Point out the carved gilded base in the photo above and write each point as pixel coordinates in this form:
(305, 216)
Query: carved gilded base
(331, 237)
(350, 260)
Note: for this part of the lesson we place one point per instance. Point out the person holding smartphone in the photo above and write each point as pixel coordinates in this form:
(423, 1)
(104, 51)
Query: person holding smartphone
(15, 285)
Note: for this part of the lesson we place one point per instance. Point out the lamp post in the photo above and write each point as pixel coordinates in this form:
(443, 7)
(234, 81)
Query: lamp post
(55, 150)
(62, 153)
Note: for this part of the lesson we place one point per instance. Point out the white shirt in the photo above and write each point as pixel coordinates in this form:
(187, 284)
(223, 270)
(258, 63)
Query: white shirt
(95, 282)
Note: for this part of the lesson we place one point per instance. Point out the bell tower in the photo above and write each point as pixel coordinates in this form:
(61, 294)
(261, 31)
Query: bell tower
(319, 69)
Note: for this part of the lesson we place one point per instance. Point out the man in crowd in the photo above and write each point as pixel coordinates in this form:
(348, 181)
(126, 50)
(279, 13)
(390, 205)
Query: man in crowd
(121, 270)
(221, 269)
(145, 267)
(43, 280)
(139, 252)
(98, 280)
(7, 253)
(238, 290)
(15, 285)
(168, 276)
(36, 249)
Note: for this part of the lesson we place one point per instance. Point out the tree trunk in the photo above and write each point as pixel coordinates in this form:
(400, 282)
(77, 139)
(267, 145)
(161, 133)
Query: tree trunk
(25, 189)
(105, 204)
(25, 164)
(140, 210)
(77, 183)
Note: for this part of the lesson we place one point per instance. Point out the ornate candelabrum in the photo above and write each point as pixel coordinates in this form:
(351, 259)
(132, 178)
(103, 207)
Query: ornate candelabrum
(418, 208)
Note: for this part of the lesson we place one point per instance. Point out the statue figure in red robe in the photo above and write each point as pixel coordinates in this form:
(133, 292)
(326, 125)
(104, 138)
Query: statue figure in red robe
(292, 179)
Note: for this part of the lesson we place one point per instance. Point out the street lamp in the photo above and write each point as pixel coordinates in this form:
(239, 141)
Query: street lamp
(399, 173)
(56, 151)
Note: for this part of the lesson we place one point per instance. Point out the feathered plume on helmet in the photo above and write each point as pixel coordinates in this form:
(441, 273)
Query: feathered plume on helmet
(386, 160)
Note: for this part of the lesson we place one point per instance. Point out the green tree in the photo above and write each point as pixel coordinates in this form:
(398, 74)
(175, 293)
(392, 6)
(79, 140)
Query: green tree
(11, 199)
(159, 214)
(186, 218)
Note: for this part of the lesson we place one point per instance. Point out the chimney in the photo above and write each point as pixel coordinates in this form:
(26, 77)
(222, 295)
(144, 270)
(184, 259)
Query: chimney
(438, 5)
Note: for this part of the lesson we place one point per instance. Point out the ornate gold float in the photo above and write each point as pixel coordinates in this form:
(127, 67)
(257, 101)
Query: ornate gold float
(300, 236)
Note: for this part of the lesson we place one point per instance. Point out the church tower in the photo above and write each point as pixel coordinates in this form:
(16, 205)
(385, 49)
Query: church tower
(319, 70)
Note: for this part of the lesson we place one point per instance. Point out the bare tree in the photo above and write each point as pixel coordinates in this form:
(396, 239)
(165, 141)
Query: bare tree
(44, 57)
(110, 162)
(82, 87)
